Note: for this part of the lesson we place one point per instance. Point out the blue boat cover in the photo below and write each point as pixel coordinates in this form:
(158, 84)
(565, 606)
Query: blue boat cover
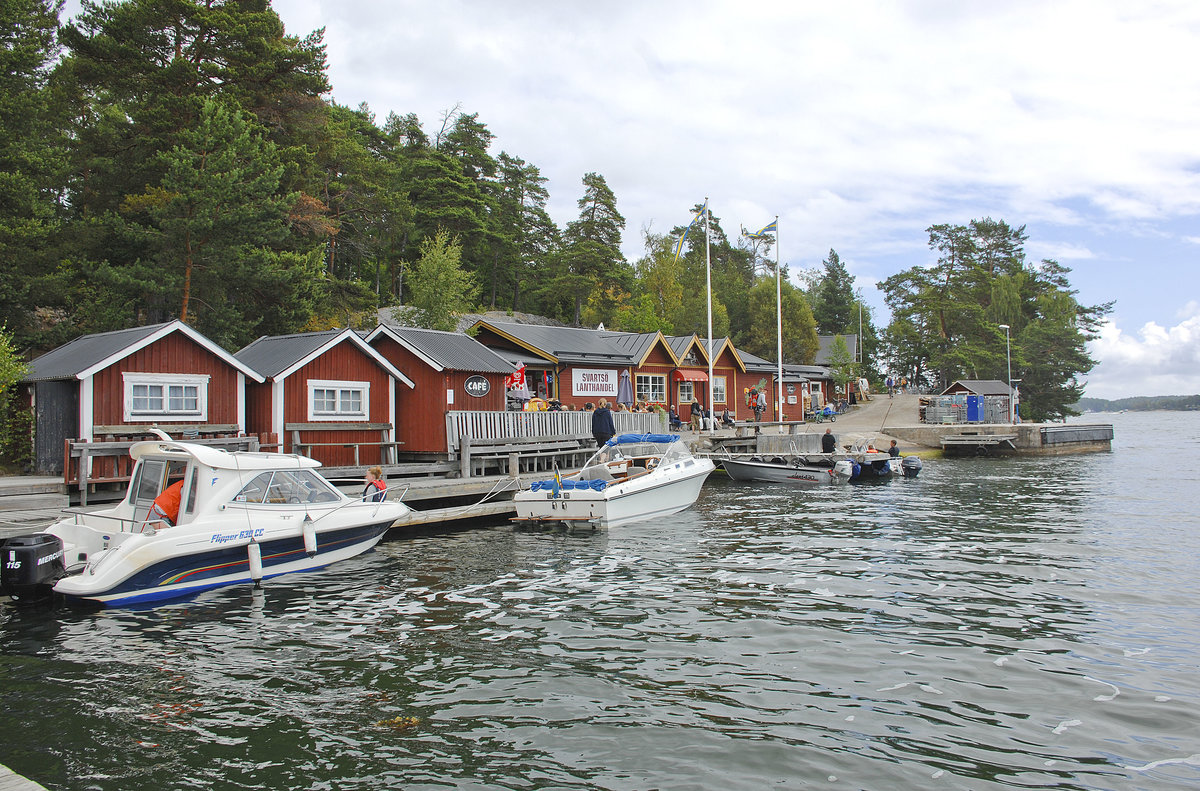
(599, 486)
(629, 439)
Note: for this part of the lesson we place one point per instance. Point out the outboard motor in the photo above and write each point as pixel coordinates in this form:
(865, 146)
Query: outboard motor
(911, 465)
(31, 565)
(845, 470)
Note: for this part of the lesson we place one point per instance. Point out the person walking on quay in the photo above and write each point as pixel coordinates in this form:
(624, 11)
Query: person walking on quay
(758, 403)
(828, 441)
(603, 427)
(695, 414)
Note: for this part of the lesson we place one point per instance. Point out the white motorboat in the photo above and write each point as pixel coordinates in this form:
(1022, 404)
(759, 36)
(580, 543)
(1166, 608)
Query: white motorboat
(242, 517)
(632, 478)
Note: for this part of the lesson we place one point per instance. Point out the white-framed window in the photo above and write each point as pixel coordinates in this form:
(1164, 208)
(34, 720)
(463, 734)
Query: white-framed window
(687, 391)
(718, 389)
(652, 388)
(342, 401)
(150, 397)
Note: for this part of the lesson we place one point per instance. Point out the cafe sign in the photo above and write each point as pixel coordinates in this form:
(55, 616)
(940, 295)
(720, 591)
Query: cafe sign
(477, 386)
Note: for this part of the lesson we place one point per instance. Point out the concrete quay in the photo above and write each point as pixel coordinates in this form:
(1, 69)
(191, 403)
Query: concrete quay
(882, 419)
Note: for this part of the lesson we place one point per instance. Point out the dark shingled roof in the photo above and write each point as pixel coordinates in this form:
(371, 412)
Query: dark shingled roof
(755, 363)
(825, 346)
(636, 343)
(452, 350)
(982, 386)
(272, 355)
(82, 355)
(679, 344)
(569, 344)
(72, 358)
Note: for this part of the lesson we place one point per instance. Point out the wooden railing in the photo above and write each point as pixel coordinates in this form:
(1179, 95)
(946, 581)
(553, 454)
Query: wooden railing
(516, 425)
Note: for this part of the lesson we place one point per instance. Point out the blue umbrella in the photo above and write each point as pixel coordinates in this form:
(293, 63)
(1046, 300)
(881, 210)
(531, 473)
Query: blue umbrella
(625, 389)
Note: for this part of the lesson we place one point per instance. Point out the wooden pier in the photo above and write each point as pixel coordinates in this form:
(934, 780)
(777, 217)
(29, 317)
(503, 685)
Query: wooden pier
(11, 781)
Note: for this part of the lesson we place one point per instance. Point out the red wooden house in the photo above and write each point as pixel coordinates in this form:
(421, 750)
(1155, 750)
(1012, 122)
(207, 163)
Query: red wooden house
(118, 384)
(583, 365)
(329, 395)
(450, 370)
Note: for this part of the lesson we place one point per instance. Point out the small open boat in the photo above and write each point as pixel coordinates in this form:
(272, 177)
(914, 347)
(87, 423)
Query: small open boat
(801, 470)
(242, 517)
(632, 478)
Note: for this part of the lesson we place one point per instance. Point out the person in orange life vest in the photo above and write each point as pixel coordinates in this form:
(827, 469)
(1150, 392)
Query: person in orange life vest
(376, 489)
(166, 505)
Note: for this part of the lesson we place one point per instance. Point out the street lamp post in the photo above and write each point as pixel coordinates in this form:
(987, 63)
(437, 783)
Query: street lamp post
(1008, 358)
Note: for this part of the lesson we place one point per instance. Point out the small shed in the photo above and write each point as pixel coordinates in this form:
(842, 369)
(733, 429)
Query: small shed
(451, 371)
(119, 384)
(328, 395)
(982, 387)
(970, 401)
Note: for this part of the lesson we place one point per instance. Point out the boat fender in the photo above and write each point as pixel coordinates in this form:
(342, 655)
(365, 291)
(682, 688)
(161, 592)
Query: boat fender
(310, 536)
(254, 552)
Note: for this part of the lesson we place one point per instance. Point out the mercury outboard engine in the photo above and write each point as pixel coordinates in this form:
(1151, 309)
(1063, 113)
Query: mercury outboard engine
(30, 566)
(911, 465)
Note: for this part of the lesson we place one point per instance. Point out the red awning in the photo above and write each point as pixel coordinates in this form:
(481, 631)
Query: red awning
(682, 375)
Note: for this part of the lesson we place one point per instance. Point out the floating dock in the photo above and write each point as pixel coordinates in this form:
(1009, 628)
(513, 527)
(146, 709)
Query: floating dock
(11, 781)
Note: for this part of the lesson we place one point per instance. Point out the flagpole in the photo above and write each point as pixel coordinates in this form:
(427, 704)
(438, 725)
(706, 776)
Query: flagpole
(778, 327)
(712, 409)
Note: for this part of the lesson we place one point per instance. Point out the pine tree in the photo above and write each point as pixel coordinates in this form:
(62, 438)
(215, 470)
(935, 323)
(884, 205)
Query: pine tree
(32, 150)
(218, 203)
(592, 255)
(834, 307)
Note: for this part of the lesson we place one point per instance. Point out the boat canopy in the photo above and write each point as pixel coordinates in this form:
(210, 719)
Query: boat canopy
(630, 439)
(220, 459)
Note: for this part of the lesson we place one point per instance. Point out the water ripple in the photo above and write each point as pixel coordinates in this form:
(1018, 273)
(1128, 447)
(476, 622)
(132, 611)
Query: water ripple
(995, 624)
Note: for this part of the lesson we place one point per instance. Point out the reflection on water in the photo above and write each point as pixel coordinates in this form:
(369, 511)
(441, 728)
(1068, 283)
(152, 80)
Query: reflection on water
(1025, 623)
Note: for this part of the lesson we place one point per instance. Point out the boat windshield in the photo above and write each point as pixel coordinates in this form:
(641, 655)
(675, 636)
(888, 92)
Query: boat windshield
(287, 487)
(633, 452)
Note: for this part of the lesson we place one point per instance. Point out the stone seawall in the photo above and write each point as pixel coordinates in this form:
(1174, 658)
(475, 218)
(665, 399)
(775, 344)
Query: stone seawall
(1027, 438)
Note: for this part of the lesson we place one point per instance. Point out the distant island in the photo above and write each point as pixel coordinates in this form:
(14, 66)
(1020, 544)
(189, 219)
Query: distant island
(1139, 403)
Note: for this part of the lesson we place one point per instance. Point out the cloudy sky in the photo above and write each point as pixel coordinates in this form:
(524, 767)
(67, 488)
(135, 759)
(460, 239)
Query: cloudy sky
(859, 124)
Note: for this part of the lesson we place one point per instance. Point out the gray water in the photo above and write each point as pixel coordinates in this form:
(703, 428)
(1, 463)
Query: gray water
(993, 624)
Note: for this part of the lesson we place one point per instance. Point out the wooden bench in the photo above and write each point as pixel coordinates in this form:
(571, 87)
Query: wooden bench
(387, 447)
(745, 428)
(512, 451)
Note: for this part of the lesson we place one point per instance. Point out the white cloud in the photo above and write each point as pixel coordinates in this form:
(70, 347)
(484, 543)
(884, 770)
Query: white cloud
(1155, 360)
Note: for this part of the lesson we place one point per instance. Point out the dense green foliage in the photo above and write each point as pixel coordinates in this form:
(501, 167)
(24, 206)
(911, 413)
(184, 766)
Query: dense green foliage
(441, 289)
(1187, 403)
(15, 428)
(947, 319)
(181, 158)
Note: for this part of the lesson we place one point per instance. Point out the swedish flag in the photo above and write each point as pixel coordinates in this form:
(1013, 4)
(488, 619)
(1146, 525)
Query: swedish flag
(770, 228)
(679, 245)
(557, 481)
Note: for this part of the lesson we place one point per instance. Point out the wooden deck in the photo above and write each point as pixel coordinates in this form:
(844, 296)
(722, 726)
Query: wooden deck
(11, 781)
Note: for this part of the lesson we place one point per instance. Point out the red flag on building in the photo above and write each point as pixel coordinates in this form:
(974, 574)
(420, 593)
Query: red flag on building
(516, 381)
